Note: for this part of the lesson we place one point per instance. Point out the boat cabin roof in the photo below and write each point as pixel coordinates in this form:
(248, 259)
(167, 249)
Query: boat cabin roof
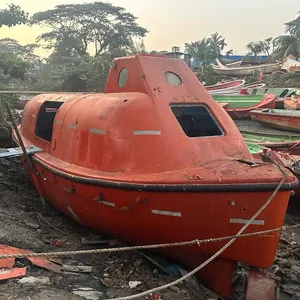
(153, 116)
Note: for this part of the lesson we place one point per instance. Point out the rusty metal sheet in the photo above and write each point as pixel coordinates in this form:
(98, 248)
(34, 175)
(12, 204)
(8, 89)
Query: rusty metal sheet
(42, 262)
(12, 273)
(262, 285)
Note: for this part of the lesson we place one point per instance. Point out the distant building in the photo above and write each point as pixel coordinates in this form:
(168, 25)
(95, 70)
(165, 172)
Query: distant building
(179, 55)
(240, 57)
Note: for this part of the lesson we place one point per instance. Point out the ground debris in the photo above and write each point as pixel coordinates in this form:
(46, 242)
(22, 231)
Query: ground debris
(24, 225)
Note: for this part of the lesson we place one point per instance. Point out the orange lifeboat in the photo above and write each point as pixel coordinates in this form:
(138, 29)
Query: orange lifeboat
(156, 160)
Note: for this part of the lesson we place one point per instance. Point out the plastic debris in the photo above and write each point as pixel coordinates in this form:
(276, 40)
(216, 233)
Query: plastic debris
(87, 293)
(134, 284)
(34, 280)
(12, 273)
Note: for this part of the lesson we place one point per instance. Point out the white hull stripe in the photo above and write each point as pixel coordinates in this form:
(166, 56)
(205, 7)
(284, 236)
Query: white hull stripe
(166, 213)
(33, 115)
(244, 221)
(146, 132)
(72, 126)
(108, 203)
(97, 131)
(59, 122)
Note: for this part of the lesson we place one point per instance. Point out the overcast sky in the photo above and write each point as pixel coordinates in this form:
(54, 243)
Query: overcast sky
(174, 22)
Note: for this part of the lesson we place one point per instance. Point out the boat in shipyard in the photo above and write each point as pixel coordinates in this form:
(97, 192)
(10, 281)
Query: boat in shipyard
(155, 160)
(239, 106)
(278, 118)
(292, 103)
(226, 88)
(276, 139)
(245, 70)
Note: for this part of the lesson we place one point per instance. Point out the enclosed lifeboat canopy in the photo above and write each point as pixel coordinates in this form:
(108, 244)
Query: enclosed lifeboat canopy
(155, 117)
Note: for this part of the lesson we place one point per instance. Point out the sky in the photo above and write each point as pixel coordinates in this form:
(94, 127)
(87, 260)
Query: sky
(175, 22)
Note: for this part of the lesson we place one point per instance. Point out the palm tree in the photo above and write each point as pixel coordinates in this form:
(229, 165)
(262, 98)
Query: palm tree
(229, 52)
(288, 44)
(255, 48)
(219, 41)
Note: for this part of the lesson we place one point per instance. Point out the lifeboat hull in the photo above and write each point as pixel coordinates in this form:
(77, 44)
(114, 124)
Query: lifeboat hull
(155, 160)
(140, 218)
(226, 88)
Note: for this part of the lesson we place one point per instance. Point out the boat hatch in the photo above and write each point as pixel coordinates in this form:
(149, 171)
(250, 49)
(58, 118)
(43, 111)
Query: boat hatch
(45, 119)
(196, 120)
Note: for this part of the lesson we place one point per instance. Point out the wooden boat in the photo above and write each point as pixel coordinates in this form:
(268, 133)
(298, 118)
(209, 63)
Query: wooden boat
(113, 162)
(278, 118)
(225, 88)
(276, 139)
(290, 64)
(245, 70)
(292, 103)
(255, 85)
(239, 106)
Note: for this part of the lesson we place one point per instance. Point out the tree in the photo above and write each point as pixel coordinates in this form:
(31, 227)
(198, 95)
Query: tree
(8, 45)
(12, 16)
(75, 27)
(288, 44)
(267, 45)
(175, 49)
(255, 48)
(205, 50)
(218, 41)
(229, 52)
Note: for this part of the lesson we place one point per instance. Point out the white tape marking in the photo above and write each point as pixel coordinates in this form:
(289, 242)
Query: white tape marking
(244, 221)
(33, 115)
(97, 131)
(72, 126)
(108, 203)
(59, 122)
(166, 213)
(146, 132)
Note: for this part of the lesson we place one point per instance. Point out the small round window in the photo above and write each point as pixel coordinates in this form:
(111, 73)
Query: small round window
(123, 76)
(173, 78)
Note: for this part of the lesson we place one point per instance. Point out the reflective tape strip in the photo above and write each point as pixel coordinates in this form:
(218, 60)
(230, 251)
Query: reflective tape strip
(72, 126)
(33, 115)
(59, 122)
(166, 213)
(146, 132)
(245, 221)
(97, 131)
(108, 203)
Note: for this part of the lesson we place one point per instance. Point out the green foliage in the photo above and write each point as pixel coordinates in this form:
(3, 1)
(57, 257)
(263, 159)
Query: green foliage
(255, 48)
(12, 16)
(75, 27)
(205, 50)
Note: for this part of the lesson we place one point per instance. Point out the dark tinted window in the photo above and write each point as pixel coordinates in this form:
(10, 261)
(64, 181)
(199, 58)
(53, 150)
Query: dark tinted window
(44, 124)
(196, 120)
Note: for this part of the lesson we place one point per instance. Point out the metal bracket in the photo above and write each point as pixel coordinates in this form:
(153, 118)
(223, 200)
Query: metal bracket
(16, 152)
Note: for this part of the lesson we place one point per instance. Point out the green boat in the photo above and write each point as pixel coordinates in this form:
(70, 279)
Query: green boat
(278, 92)
(255, 133)
(239, 101)
(254, 148)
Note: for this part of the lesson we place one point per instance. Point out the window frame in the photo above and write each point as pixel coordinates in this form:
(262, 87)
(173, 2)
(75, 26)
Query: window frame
(217, 123)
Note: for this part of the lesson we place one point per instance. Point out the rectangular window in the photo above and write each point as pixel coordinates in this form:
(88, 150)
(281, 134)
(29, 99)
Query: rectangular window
(196, 120)
(45, 119)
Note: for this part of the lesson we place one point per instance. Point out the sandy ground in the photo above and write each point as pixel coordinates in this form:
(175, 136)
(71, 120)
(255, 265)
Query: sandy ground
(24, 224)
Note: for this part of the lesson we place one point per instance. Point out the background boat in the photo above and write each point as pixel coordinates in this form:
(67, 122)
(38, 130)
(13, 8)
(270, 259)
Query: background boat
(279, 118)
(225, 88)
(245, 70)
(292, 103)
(239, 106)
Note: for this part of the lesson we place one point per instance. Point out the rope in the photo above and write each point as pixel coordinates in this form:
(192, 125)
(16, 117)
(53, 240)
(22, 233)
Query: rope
(144, 247)
(166, 245)
(175, 282)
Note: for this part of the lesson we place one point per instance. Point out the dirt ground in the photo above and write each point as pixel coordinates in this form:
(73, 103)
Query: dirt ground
(24, 224)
